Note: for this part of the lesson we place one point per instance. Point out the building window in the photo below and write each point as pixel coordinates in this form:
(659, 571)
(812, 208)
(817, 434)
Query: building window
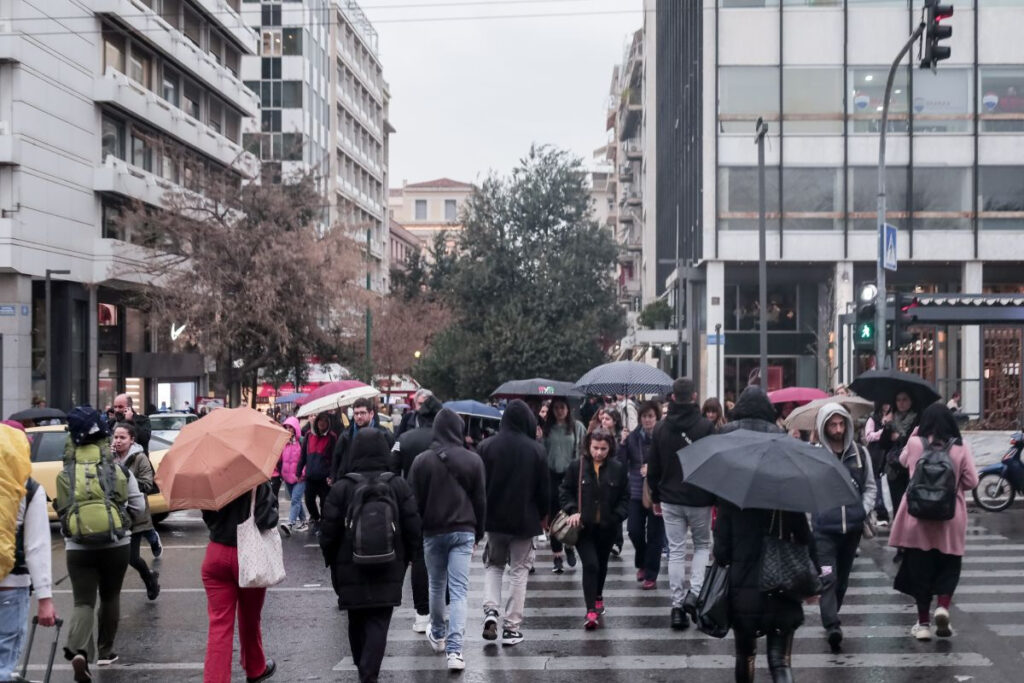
(271, 44)
(867, 90)
(291, 94)
(216, 47)
(942, 198)
(142, 151)
(193, 27)
(812, 198)
(737, 198)
(942, 101)
(113, 51)
(169, 164)
(112, 140)
(450, 210)
(1002, 99)
(863, 189)
(171, 88)
(191, 100)
(291, 146)
(232, 59)
(215, 118)
(746, 93)
(271, 122)
(271, 67)
(170, 10)
(271, 15)
(111, 220)
(291, 39)
(812, 100)
(421, 209)
(140, 68)
(1001, 197)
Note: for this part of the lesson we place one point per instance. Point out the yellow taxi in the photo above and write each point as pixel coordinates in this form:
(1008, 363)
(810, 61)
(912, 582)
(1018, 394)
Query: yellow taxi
(47, 461)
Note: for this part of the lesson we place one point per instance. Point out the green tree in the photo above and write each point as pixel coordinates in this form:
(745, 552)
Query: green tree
(531, 285)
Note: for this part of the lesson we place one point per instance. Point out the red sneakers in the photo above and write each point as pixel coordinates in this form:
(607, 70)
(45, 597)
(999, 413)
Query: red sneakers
(592, 621)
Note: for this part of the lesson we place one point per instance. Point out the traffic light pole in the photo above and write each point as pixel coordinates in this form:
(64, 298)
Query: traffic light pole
(880, 336)
(762, 264)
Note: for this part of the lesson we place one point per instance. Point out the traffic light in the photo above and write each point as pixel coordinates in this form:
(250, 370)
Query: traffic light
(905, 317)
(934, 31)
(864, 331)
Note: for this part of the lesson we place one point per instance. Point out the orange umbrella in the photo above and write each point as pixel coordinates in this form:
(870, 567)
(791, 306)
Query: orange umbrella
(219, 457)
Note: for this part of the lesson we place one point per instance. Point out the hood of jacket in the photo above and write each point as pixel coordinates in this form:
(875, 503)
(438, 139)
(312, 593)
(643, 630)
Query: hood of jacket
(430, 407)
(519, 418)
(825, 413)
(135, 448)
(316, 421)
(683, 416)
(753, 403)
(448, 429)
(370, 450)
(293, 422)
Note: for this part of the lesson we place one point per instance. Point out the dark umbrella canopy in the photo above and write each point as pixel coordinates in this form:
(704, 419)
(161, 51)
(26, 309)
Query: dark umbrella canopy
(473, 409)
(768, 471)
(39, 414)
(624, 377)
(883, 385)
(538, 386)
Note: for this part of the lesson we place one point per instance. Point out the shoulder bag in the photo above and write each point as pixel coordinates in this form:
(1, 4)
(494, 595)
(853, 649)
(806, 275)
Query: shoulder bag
(713, 602)
(260, 558)
(560, 529)
(786, 566)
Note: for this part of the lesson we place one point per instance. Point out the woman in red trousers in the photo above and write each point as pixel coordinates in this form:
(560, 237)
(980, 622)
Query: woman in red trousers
(224, 597)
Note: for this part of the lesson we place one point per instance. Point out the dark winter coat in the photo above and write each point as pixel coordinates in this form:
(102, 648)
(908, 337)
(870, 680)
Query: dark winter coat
(753, 411)
(223, 523)
(517, 474)
(605, 496)
(739, 536)
(342, 459)
(664, 471)
(635, 454)
(414, 441)
(362, 586)
(317, 453)
(448, 481)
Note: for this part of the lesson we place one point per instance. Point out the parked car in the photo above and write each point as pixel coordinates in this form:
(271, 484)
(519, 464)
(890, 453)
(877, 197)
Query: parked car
(47, 445)
(167, 425)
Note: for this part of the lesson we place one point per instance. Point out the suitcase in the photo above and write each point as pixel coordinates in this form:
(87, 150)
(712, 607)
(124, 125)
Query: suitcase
(53, 649)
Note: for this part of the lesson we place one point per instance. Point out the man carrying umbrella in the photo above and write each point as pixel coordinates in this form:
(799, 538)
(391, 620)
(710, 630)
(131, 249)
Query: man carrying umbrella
(837, 532)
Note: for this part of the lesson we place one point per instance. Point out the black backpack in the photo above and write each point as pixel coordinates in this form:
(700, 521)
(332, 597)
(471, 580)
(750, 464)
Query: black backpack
(931, 493)
(372, 519)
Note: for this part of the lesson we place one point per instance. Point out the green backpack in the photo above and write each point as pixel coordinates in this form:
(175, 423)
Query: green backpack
(91, 494)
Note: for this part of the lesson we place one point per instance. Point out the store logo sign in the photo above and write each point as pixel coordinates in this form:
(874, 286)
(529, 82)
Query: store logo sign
(176, 331)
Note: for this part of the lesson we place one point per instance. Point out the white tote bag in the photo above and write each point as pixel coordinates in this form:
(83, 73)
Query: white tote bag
(260, 558)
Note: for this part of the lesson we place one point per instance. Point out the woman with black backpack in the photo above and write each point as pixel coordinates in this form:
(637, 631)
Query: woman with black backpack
(933, 548)
(368, 580)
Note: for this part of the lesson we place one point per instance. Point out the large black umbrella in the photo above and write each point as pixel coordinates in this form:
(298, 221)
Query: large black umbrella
(624, 377)
(36, 414)
(538, 386)
(769, 471)
(883, 385)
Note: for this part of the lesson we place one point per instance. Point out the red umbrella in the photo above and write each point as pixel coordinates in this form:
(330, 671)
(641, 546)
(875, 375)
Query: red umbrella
(798, 395)
(331, 388)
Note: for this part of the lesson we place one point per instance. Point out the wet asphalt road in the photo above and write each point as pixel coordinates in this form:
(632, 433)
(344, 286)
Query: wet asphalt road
(164, 640)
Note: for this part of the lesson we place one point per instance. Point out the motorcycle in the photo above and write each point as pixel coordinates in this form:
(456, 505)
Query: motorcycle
(1000, 482)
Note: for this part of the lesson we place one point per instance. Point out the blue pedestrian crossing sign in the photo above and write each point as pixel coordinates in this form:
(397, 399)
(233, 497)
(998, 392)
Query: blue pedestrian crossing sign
(889, 247)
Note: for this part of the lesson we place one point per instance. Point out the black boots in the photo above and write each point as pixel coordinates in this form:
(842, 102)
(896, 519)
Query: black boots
(679, 620)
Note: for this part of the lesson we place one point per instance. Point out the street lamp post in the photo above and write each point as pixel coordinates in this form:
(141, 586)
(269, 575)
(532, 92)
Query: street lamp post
(49, 334)
(761, 129)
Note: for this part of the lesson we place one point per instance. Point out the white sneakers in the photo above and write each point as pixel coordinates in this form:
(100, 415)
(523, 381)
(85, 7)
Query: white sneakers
(422, 623)
(438, 644)
(942, 627)
(456, 662)
(921, 631)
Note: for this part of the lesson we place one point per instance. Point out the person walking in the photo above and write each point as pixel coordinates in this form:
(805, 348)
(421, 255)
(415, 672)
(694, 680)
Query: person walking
(369, 592)
(646, 529)
(595, 495)
(563, 438)
(294, 479)
(712, 410)
(364, 415)
(873, 430)
(837, 532)
(224, 597)
(124, 411)
(897, 428)
(517, 478)
(130, 454)
(316, 461)
(739, 537)
(95, 523)
(683, 507)
(932, 549)
(450, 488)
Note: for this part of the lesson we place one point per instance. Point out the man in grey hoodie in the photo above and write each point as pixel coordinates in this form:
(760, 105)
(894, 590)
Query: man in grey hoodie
(837, 532)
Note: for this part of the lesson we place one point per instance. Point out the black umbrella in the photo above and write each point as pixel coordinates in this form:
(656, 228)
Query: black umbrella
(36, 414)
(883, 385)
(624, 377)
(538, 386)
(768, 471)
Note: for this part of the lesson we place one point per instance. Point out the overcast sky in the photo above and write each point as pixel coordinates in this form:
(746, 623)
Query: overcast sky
(469, 96)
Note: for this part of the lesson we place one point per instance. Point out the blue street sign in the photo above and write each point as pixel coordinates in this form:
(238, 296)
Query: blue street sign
(716, 339)
(889, 244)
(6, 310)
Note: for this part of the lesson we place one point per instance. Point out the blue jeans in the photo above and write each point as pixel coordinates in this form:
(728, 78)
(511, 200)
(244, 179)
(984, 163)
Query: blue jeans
(14, 604)
(296, 492)
(448, 558)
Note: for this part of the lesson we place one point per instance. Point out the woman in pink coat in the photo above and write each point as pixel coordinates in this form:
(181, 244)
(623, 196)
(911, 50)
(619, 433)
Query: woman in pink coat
(933, 550)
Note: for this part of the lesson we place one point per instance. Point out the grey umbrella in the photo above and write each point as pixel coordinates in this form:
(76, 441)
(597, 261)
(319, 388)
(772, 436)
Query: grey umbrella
(538, 386)
(768, 471)
(624, 377)
(38, 414)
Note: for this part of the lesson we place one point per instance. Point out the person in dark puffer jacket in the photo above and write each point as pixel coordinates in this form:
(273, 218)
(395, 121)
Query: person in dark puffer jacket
(317, 460)
(369, 592)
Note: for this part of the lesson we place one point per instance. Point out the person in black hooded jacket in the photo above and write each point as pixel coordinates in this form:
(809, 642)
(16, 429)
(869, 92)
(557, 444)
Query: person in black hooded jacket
(684, 507)
(739, 535)
(517, 499)
(369, 592)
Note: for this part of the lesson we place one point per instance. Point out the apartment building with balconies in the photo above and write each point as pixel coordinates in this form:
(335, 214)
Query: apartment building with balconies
(103, 103)
(325, 108)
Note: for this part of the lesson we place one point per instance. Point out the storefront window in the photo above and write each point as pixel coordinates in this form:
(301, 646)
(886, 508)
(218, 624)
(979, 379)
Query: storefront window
(812, 198)
(812, 100)
(1001, 197)
(863, 189)
(867, 92)
(942, 101)
(741, 308)
(746, 93)
(1002, 99)
(942, 198)
(738, 198)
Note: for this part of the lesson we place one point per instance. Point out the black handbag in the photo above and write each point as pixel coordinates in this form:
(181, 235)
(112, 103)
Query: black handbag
(786, 566)
(713, 602)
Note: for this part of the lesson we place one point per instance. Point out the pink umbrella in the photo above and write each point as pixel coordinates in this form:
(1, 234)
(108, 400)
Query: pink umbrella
(330, 388)
(798, 395)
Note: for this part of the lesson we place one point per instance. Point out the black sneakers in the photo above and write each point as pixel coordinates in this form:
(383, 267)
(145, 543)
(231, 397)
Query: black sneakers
(267, 673)
(557, 569)
(511, 637)
(491, 625)
(570, 556)
(153, 586)
(835, 639)
(678, 619)
(80, 666)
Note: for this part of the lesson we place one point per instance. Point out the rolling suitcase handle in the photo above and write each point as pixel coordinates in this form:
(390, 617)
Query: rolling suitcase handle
(53, 649)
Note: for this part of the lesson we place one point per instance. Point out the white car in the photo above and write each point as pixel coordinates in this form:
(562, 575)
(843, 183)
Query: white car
(167, 425)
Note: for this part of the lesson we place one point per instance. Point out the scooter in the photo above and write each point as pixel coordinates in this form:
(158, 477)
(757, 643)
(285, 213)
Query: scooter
(1000, 482)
